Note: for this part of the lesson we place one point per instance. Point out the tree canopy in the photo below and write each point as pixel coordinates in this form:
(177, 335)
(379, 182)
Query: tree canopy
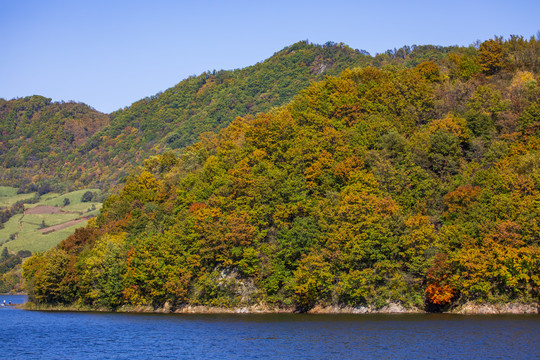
(414, 182)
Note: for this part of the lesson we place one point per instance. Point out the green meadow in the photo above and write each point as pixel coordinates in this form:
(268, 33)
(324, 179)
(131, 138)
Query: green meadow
(9, 196)
(22, 231)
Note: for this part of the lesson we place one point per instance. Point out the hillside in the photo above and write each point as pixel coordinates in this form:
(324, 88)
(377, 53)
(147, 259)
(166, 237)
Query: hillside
(69, 145)
(206, 103)
(414, 185)
(39, 138)
(73, 146)
(32, 223)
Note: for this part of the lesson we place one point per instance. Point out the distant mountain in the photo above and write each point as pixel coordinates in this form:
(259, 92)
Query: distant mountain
(39, 138)
(72, 146)
(206, 103)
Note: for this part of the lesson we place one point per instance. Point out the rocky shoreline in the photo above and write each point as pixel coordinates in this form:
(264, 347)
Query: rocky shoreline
(491, 309)
(469, 308)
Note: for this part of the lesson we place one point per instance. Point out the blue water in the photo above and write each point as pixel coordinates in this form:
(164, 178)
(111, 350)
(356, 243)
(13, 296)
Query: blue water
(67, 335)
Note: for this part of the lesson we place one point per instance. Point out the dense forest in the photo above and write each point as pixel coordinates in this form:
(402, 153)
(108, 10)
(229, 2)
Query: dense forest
(72, 146)
(413, 177)
(67, 146)
(39, 139)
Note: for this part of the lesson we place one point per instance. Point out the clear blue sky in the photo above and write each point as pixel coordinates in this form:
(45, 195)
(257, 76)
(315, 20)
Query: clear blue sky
(109, 54)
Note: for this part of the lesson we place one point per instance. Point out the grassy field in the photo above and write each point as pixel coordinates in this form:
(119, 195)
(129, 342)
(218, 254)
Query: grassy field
(6, 191)
(21, 232)
(9, 196)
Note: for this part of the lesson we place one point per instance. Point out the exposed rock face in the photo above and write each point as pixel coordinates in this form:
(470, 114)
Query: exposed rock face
(245, 288)
(469, 308)
(390, 308)
(511, 308)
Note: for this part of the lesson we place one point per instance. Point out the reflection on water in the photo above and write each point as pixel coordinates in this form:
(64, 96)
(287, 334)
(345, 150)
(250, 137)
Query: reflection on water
(65, 335)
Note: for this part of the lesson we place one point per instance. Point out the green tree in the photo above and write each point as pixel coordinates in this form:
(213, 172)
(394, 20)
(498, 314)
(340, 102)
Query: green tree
(312, 281)
(87, 196)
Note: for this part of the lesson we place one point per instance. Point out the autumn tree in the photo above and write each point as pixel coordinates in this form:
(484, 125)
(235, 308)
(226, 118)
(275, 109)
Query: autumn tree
(491, 56)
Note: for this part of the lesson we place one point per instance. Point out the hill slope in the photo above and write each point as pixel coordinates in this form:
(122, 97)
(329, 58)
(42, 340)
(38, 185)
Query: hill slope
(39, 137)
(418, 186)
(71, 145)
(206, 103)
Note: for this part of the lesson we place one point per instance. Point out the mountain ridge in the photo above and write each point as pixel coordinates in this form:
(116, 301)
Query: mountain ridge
(176, 117)
(206, 102)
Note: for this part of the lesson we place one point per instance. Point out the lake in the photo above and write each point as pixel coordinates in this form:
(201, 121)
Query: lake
(71, 335)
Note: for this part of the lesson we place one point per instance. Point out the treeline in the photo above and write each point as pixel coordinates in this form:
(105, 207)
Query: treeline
(10, 270)
(176, 118)
(7, 213)
(416, 185)
(73, 146)
(39, 140)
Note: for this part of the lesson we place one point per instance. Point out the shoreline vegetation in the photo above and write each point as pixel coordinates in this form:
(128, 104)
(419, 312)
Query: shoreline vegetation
(412, 181)
(469, 308)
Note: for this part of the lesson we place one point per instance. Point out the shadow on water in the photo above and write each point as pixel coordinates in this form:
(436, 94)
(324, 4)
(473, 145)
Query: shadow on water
(98, 335)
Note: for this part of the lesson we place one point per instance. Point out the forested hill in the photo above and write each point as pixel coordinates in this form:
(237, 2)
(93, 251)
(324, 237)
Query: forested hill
(417, 185)
(208, 102)
(39, 138)
(169, 120)
(107, 147)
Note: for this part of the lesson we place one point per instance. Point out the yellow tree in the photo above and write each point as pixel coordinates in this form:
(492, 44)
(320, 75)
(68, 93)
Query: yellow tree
(491, 56)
